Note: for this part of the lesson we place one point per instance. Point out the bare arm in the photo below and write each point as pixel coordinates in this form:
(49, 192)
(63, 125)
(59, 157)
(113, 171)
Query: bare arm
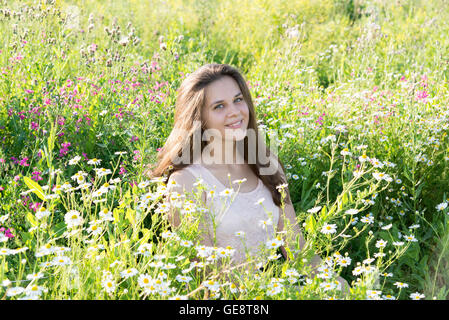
(185, 184)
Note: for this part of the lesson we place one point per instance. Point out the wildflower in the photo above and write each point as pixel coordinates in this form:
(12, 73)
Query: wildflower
(185, 279)
(158, 264)
(240, 234)
(34, 290)
(327, 286)
(369, 219)
(259, 201)
(282, 186)
(164, 289)
(178, 298)
(329, 228)
(106, 186)
(150, 289)
(351, 211)
(291, 273)
(186, 243)
(441, 206)
(168, 266)
(109, 285)
(11, 292)
(106, 215)
(203, 251)
(148, 197)
(275, 286)
(410, 238)
(401, 285)
(94, 161)
(363, 158)
(227, 192)
(314, 210)
(239, 181)
(128, 273)
(73, 218)
(79, 177)
(61, 261)
(163, 207)
(357, 270)
(144, 249)
(344, 262)
(145, 280)
(381, 243)
(188, 209)
(211, 194)
(159, 257)
(387, 227)
(376, 163)
(233, 288)
(171, 184)
(212, 285)
(169, 235)
(199, 182)
(417, 296)
(225, 252)
(94, 229)
(75, 160)
(3, 237)
(373, 294)
(4, 218)
(274, 243)
(196, 264)
(35, 276)
(265, 223)
(398, 243)
(102, 172)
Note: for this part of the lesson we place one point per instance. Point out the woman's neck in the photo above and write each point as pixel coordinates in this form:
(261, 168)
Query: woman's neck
(224, 154)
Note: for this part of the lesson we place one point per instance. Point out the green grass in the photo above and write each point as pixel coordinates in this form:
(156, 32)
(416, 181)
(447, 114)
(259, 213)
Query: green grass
(92, 79)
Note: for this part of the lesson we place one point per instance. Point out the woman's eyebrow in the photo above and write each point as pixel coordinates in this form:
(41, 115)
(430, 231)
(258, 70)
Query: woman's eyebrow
(219, 101)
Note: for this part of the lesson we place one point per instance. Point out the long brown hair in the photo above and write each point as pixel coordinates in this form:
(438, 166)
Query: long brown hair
(189, 103)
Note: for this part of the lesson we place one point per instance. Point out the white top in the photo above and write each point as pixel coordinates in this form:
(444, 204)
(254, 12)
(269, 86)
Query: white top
(242, 214)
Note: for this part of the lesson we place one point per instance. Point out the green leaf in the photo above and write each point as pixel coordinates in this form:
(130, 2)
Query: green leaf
(31, 219)
(116, 213)
(146, 235)
(130, 216)
(323, 212)
(344, 199)
(58, 229)
(36, 188)
(310, 223)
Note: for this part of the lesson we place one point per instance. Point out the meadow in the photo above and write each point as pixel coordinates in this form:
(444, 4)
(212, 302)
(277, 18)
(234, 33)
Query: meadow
(354, 92)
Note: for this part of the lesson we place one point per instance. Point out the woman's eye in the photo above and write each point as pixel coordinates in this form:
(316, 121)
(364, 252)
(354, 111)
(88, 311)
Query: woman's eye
(236, 100)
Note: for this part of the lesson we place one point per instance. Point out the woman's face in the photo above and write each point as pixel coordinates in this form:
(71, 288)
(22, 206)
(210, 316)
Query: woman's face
(225, 109)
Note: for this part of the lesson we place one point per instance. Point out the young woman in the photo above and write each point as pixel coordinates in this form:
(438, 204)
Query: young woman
(214, 104)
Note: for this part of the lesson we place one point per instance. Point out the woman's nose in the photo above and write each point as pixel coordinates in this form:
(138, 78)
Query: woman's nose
(233, 110)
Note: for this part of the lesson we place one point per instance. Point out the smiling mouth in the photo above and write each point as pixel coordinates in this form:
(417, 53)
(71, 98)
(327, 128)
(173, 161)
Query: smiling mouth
(237, 124)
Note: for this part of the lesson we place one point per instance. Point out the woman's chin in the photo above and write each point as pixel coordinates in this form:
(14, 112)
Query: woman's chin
(235, 134)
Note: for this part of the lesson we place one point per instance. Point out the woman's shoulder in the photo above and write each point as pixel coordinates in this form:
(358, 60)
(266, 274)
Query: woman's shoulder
(181, 179)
